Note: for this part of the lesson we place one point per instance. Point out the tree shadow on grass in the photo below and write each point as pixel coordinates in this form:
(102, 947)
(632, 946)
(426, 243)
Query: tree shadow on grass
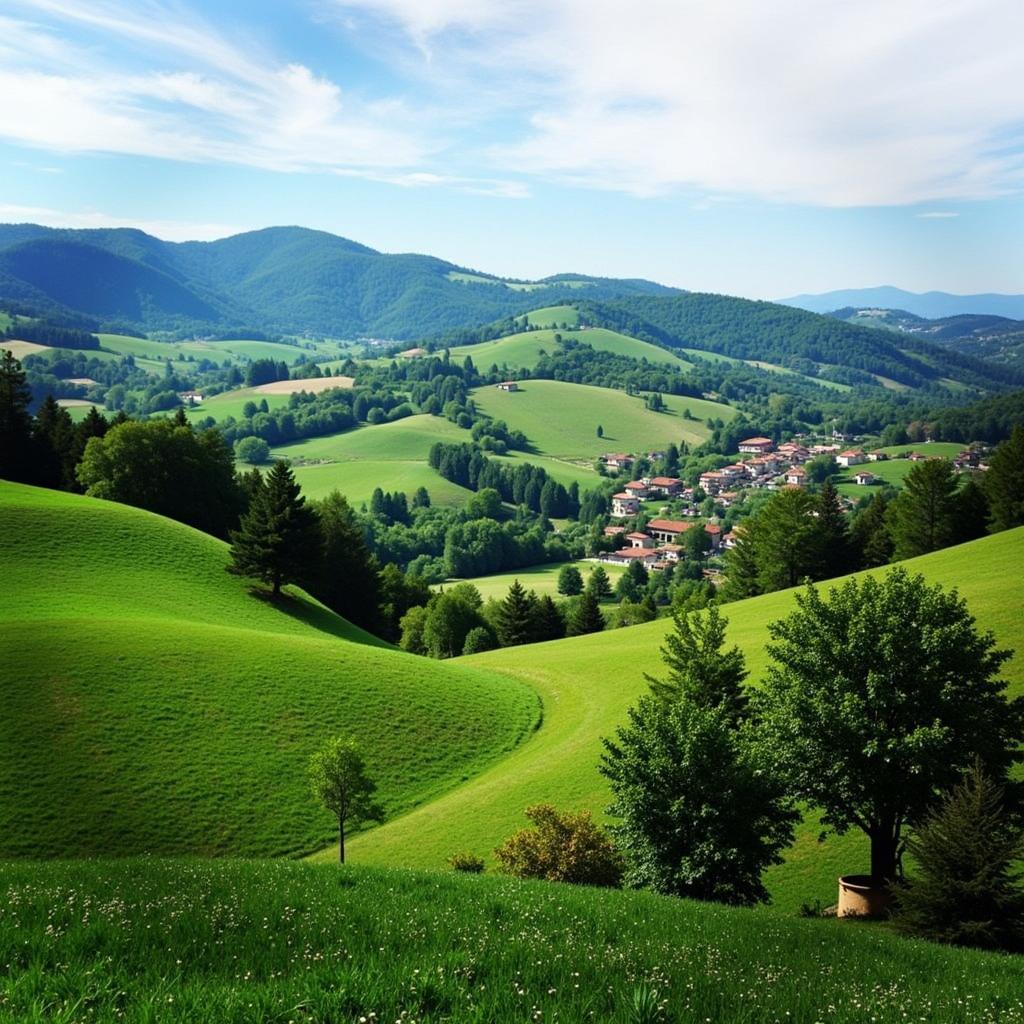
(298, 605)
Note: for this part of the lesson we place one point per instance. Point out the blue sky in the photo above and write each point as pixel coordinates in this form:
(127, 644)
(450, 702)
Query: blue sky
(750, 148)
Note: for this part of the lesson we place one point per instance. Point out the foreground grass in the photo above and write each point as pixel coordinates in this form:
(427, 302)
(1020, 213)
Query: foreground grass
(588, 683)
(235, 941)
(152, 704)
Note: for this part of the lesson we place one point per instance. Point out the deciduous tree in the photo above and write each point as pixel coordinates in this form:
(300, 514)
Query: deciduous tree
(339, 780)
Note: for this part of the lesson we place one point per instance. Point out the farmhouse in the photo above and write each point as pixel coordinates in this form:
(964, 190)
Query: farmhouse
(851, 457)
(756, 445)
(640, 540)
(713, 481)
(624, 505)
(190, 397)
(637, 489)
(645, 556)
(796, 476)
(617, 461)
(878, 457)
(864, 478)
(508, 385)
(667, 486)
(670, 530)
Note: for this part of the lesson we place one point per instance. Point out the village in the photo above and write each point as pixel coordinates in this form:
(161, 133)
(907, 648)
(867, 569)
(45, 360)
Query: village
(762, 465)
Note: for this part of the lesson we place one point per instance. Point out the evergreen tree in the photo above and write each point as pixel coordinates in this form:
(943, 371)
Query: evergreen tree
(278, 539)
(17, 451)
(1004, 483)
(550, 623)
(972, 512)
(421, 499)
(923, 517)
(787, 542)
(585, 616)
(180, 419)
(57, 444)
(514, 620)
(834, 533)
(696, 543)
(741, 580)
(870, 536)
(570, 582)
(965, 889)
(699, 670)
(598, 584)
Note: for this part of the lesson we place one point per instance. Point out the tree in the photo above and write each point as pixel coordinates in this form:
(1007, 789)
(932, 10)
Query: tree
(451, 616)
(585, 616)
(699, 670)
(600, 430)
(338, 779)
(479, 639)
(598, 583)
(346, 578)
(17, 461)
(550, 622)
(972, 512)
(923, 517)
(278, 539)
(965, 889)
(696, 543)
(833, 533)
(1004, 483)
(57, 445)
(878, 699)
(485, 504)
(698, 816)
(570, 582)
(421, 499)
(786, 539)
(561, 847)
(253, 450)
(870, 536)
(515, 618)
(741, 577)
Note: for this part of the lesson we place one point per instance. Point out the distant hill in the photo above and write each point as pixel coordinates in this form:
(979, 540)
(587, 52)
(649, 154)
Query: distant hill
(932, 305)
(996, 338)
(282, 279)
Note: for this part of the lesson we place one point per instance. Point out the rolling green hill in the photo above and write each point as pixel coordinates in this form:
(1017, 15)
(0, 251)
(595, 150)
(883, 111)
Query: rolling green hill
(152, 704)
(561, 419)
(524, 350)
(587, 684)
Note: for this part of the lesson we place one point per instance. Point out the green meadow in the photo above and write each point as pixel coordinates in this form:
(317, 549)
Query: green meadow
(524, 350)
(586, 685)
(153, 704)
(190, 942)
(945, 449)
(553, 316)
(561, 419)
(540, 578)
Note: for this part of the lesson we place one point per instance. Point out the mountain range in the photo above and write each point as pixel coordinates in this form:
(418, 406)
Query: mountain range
(933, 305)
(279, 279)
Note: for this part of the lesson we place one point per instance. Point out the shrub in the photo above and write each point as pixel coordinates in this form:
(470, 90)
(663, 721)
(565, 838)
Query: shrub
(562, 847)
(253, 450)
(479, 639)
(470, 863)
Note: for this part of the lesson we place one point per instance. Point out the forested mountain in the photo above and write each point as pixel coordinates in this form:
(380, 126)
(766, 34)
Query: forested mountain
(989, 337)
(806, 342)
(932, 305)
(285, 279)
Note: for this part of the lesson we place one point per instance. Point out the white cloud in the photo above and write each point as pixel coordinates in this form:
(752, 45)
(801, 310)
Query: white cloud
(171, 230)
(816, 101)
(937, 214)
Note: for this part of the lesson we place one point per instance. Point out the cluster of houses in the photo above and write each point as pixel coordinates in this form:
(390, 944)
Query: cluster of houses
(658, 546)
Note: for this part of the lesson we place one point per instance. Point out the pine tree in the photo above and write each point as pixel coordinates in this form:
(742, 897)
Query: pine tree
(550, 623)
(585, 616)
(833, 533)
(1004, 484)
(570, 582)
(870, 535)
(972, 512)
(698, 668)
(598, 584)
(278, 539)
(741, 566)
(966, 890)
(923, 517)
(17, 460)
(515, 617)
(180, 419)
(787, 544)
(58, 444)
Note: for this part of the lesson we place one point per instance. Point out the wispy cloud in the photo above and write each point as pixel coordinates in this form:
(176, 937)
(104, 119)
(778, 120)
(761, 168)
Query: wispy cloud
(171, 230)
(814, 101)
(937, 214)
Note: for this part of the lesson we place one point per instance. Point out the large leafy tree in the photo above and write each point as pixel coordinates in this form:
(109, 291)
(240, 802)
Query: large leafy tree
(699, 669)
(278, 540)
(339, 780)
(923, 518)
(878, 698)
(1004, 483)
(698, 817)
(16, 445)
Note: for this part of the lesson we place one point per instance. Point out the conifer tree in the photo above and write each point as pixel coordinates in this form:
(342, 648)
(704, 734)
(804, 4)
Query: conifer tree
(58, 447)
(787, 544)
(1004, 484)
(699, 670)
(965, 890)
(550, 622)
(514, 619)
(16, 447)
(834, 534)
(570, 582)
(585, 616)
(598, 584)
(278, 539)
(923, 517)
(870, 535)
(741, 566)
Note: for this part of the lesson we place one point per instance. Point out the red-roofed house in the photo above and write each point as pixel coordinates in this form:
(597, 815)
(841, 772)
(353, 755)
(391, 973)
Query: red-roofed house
(668, 486)
(619, 461)
(624, 505)
(670, 530)
(713, 481)
(796, 477)
(639, 540)
(756, 445)
(614, 531)
(864, 478)
(851, 457)
(645, 556)
(637, 489)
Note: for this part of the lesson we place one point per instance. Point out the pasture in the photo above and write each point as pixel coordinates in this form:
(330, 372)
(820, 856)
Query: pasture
(553, 316)
(153, 704)
(587, 684)
(543, 579)
(561, 419)
(188, 941)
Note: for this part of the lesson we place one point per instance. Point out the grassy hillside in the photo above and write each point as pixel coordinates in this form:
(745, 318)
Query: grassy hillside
(561, 419)
(587, 684)
(236, 942)
(540, 578)
(553, 316)
(151, 703)
(525, 349)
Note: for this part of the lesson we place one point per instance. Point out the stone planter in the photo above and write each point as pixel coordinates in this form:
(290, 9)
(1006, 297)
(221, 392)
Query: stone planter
(862, 896)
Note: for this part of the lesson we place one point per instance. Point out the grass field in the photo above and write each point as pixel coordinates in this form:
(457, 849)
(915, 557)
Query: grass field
(588, 683)
(152, 704)
(553, 316)
(20, 349)
(891, 472)
(231, 403)
(391, 455)
(947, 449)
(540, 578)
(189, 942)
(561, 419)
(524, 350)
(566, 473)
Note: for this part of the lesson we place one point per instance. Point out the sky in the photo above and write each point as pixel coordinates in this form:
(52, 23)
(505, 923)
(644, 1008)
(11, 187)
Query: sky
(752, 148)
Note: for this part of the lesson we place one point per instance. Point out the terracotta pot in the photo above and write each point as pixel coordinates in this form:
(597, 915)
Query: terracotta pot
(862, 896)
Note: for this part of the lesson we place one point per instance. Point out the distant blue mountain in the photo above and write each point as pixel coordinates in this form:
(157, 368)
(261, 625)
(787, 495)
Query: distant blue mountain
(932, 305)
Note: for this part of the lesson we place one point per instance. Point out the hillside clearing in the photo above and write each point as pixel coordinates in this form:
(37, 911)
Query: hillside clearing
(174, 712)
(543, 579)
(313, 385)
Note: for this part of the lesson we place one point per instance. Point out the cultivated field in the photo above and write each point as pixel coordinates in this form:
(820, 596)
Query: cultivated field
(586, 685)
(314, 385)
(561, 419)
(152, 704)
